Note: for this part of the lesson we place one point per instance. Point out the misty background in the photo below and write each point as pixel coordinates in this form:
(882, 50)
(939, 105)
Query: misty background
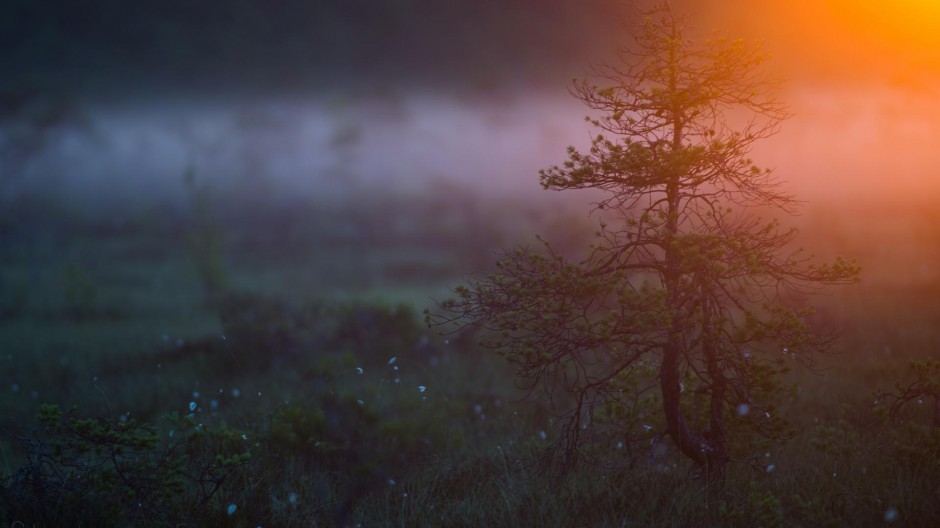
(331, 106)
(105, 102)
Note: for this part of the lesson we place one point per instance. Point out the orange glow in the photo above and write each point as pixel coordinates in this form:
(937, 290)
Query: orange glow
(902, 22)
(863, 80)
(903, 36)
(898, 42)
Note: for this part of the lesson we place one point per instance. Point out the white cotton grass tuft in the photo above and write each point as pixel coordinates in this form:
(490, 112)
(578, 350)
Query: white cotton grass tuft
(891, 514)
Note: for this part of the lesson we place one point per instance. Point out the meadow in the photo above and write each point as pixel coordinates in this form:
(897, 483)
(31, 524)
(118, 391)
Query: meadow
(199, 366)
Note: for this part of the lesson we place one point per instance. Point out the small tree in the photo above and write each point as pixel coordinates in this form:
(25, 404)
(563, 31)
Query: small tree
(687, 288)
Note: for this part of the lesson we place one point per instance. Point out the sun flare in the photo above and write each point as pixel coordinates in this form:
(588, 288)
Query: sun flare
(903, 22)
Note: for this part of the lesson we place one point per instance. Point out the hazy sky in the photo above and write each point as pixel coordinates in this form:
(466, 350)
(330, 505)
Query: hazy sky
(113, 45)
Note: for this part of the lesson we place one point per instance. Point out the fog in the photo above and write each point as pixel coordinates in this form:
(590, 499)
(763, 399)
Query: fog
(482, 103)
(281, 147)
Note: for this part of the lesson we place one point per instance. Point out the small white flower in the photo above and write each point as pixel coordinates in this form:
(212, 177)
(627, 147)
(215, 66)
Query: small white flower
(648, 427)
(358, 370)
(192, 406)
(422, 388)
(393, 360)
(231, 509)
(767, 414)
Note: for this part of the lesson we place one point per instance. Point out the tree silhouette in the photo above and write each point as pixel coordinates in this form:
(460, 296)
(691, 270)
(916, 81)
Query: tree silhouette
(687, 288)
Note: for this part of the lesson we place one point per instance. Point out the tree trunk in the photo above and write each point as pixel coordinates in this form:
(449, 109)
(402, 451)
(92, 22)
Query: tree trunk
(688, 443)
(716, 450)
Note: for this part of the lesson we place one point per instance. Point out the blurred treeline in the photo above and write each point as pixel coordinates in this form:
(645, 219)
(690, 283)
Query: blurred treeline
(112, 46)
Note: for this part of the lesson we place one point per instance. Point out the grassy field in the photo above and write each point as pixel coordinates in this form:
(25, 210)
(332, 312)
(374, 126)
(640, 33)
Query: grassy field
(311, 394)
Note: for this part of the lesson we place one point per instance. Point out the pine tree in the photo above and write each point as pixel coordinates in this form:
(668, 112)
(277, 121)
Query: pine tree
(688, 302)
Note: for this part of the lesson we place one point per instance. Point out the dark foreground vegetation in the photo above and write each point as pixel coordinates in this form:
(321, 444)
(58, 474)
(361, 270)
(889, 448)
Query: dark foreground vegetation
(308, 393)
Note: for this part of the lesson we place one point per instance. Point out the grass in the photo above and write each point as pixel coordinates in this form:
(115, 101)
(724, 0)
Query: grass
(354, 414)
